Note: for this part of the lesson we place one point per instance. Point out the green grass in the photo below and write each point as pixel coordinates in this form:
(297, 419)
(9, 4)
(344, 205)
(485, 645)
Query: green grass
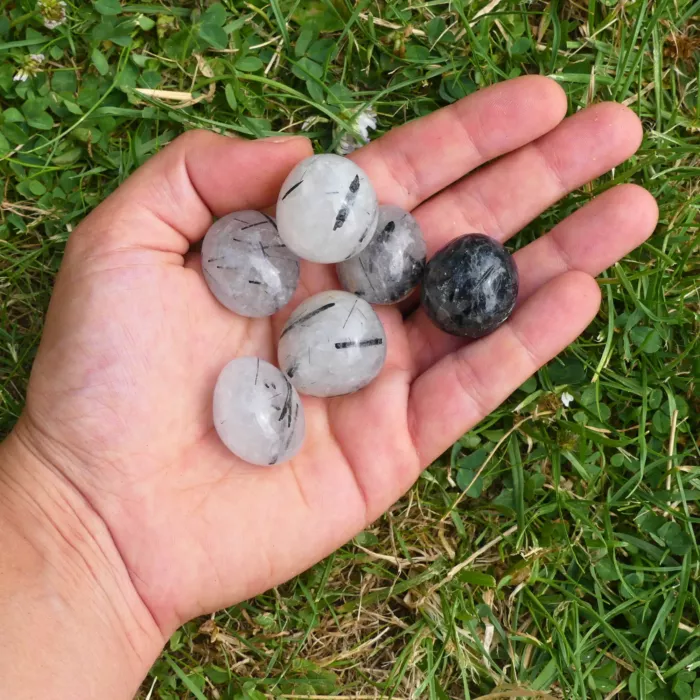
(553, 552)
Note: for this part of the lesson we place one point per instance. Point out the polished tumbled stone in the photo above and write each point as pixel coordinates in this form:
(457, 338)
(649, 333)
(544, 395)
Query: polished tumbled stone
(246, 265)
(470, 286)
(327, 209)
(392, 265)
(257, 412)
(333, 344)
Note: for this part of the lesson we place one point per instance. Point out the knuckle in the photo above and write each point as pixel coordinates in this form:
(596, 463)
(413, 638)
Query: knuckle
(470, 383)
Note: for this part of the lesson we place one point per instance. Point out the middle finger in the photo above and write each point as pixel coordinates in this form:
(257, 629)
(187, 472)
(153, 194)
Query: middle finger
(506, 195)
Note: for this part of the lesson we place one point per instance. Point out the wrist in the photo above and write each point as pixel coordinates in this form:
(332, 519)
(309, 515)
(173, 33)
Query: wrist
(78, 624)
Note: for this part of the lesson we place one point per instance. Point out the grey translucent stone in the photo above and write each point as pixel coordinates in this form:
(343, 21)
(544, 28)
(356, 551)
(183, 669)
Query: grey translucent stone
(333, 344)
(246, 265)
(392, 265)
(327, 209)
(257, 412)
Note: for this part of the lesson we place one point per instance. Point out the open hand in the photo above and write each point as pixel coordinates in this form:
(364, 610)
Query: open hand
(119, 402)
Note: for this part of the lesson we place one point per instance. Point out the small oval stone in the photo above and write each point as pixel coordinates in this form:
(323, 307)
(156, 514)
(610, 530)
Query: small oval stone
(257, 412)
(392, 265)
(246, 265)
(333, 344)
(470, 286)
(327, 209)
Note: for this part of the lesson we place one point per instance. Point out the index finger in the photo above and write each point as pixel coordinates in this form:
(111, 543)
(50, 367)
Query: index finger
(413, 162)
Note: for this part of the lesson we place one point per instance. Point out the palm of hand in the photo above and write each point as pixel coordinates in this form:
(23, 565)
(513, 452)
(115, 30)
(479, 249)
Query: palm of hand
(134, 341)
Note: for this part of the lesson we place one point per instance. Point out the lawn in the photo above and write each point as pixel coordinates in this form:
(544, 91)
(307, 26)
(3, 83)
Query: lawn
(554, 551)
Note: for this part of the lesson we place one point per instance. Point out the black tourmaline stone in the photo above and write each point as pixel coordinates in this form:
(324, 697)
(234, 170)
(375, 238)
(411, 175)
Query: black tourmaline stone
(470, 286)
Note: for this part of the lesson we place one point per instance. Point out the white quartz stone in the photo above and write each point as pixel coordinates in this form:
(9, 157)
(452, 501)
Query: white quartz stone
(257, 412)
(327, 209)
(392, 265)
(246, 265)
(333, 344)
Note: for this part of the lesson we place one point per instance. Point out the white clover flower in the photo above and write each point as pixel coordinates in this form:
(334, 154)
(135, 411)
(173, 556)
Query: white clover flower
(366, 120)
(566, 399)
(53, 12)
(30, 67)
(362, 123)
(311, 122)
(347, 144)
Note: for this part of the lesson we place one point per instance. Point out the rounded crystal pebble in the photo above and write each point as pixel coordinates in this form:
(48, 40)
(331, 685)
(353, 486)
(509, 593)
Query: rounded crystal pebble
(246, 265)
(470, 286)
(333, 344)
(327, 209)
(392, 265)
(257, 412)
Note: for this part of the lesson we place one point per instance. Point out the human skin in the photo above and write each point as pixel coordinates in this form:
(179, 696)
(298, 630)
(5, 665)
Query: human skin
(122, 515)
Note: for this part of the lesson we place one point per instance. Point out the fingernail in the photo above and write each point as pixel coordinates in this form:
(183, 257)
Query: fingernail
(282, 139)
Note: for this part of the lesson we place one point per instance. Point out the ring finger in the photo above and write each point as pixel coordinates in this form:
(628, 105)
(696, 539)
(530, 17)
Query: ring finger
(590, 240)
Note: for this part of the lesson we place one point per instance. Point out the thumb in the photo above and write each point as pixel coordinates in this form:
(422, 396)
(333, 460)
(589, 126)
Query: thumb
(168, 203)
